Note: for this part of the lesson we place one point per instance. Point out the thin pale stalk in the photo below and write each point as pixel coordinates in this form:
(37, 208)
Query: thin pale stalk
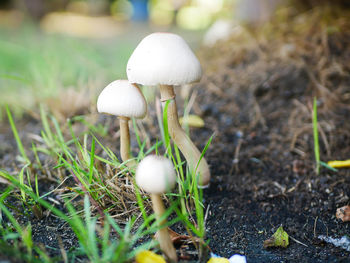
(125, 142)
(183, 142)
(166, 245)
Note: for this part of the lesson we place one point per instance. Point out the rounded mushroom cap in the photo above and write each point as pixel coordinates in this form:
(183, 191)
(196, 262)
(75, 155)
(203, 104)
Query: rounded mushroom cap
(121, 98)
(163, 58)
(155, 174)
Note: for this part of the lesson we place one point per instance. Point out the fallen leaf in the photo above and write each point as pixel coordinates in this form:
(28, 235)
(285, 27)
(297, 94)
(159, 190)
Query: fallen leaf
(192, 121)
(339, 164)
(147, 256)
(343, 213)
(279, 239)
(218, 260)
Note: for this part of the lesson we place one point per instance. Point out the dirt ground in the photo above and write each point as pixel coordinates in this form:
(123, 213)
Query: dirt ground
(256, 97)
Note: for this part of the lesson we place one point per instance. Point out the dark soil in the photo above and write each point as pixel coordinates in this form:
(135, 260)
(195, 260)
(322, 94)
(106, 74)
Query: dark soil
(258, 102)
(257, 98)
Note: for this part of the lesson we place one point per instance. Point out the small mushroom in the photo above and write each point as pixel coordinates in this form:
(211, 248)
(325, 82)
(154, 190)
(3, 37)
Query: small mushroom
(156, 176)
(125, 100)
(166, 60)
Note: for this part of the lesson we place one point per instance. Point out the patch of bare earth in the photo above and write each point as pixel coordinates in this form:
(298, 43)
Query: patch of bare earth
(257, 98)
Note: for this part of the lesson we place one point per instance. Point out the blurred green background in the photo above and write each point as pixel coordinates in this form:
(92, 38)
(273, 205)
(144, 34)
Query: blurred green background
(47, 46)
(50, 45)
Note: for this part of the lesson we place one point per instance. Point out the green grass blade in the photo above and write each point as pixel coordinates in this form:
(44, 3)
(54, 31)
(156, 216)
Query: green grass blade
(140, 203)
(15, 133)
(165, 128)
(315, 133)
(92, 160)
(138, 139)
(328, 166)
(45, 124)
(11, 218)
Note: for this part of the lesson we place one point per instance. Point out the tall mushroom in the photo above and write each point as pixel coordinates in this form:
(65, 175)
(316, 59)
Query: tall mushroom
(125, 100)
(156, 176)
(166, 60)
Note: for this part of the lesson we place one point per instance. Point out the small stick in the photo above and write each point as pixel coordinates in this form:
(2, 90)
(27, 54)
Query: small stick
(297, 241)
(315, 223)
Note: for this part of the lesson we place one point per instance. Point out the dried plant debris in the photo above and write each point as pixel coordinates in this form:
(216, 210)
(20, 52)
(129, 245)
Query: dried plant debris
(343, 213)
(192, 121)
(279, 239)
(343, 242)
(293, 60)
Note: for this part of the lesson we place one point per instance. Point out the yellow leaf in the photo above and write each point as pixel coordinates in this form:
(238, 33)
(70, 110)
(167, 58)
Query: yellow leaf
(147, 256)
(218, 260)
(192, 121)
(279, 239)
(339, 164)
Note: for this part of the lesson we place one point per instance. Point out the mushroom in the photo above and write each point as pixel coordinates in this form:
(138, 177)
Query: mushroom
(125, 100)
(156, 176)
(166, 60)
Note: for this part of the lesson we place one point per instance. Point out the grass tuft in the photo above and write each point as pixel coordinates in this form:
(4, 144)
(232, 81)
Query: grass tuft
(98, 191)
(15, 133)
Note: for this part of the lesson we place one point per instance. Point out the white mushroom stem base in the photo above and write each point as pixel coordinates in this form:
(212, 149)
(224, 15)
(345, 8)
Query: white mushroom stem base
(186, 146)
(125, 141)
(165, 243)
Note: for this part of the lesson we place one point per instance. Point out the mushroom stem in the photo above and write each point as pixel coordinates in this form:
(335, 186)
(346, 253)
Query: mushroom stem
(165, 243)
(125, 141)
(186, 146)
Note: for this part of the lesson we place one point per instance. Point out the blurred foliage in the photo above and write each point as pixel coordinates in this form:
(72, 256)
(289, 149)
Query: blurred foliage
(194, 14)
(34, 65)
(81, 44)
(189, 14)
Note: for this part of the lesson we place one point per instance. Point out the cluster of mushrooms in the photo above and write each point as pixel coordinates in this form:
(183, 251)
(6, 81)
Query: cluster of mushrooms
(164, 60)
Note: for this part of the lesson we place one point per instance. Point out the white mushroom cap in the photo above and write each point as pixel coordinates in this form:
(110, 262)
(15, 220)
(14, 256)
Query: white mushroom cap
(155, 174)
(121, 98)
(163, 58)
